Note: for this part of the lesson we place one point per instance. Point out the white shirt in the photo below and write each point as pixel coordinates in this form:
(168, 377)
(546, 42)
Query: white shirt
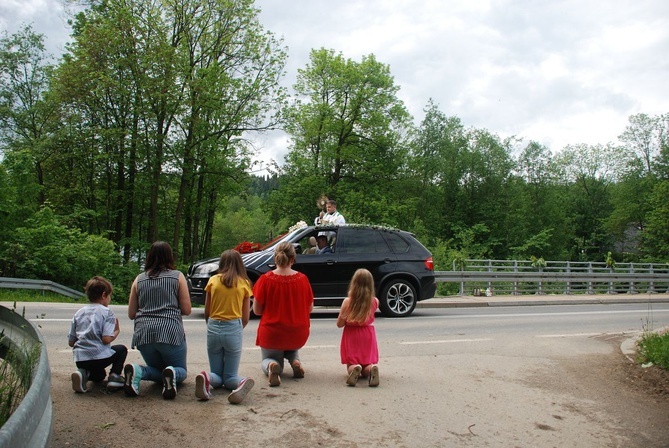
(333, 219)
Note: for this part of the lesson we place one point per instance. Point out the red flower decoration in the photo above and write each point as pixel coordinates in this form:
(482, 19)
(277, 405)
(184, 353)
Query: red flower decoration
(247, 247)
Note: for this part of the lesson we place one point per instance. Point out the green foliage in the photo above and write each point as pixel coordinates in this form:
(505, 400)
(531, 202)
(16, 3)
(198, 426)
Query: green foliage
(29, 295)
(347, 136)
(656, 236)
(45, 249)
(143, 130)
(538, 263)
(536, 243)
(16, 371)
(241, 220)
(654, 347)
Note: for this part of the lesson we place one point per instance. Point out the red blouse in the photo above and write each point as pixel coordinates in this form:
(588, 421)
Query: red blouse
(286, 301)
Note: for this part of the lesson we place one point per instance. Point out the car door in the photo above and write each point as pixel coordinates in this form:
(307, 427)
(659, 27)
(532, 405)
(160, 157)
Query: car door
(360, 248)
(319, 269)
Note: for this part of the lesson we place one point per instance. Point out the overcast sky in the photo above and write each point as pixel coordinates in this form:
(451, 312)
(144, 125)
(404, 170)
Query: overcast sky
(554, 71)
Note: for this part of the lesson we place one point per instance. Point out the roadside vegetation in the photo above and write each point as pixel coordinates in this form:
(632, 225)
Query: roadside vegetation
(22, 295)
(654, 348)
(16, 371)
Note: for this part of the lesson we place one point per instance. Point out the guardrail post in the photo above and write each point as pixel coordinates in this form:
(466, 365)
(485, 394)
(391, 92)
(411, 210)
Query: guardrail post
(541, 289)
(489, 270)
(651, 284)
(590, 288)
(515, 283)
(568, 291)
(632, 289)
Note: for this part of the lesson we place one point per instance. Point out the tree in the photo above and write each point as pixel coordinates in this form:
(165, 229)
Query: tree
(436, 170)
(655, 238)
(644, 137)
(26, 111)
(348, 130)
(164, 92)
(589, 171)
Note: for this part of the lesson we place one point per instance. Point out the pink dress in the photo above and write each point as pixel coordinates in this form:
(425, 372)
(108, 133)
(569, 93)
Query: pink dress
(358, 342)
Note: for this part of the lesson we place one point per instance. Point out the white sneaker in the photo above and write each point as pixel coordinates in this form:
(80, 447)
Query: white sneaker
(203, 386)
(238, 395)
(79, 380)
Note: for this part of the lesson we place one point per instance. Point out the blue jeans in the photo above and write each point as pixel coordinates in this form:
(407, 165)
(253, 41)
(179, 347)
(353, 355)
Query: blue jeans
(157, 356)
(224, 347)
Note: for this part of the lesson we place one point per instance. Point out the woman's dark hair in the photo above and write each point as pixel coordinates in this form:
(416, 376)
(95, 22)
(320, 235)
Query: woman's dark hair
(160, 258)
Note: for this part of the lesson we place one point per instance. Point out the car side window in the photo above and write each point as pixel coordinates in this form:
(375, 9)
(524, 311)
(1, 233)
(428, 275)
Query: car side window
(397, 243)
(362, 241)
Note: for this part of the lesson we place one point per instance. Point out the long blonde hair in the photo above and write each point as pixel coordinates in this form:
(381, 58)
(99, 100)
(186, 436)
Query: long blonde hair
(361, 295)
(231, 267)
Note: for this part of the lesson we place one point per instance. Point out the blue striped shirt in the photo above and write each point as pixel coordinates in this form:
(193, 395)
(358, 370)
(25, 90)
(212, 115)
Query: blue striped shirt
(89, 324)
(158, 318)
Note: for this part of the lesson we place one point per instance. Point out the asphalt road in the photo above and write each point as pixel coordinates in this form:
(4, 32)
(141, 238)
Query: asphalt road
(451, 376)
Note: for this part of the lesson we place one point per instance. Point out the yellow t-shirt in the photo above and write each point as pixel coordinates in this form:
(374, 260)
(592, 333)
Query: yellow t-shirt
(226, 303)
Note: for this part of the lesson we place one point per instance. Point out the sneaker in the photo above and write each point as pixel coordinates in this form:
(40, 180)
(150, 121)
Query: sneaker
(273, 371)
(298, 371)
(79, 380)
(353, 376)
(115, 381)
(169, 383)
(203, 386)
(374, 376)
(238, 395)
(133, 376)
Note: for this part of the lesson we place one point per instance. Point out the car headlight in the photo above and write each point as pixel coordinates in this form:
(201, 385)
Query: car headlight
(204, 270)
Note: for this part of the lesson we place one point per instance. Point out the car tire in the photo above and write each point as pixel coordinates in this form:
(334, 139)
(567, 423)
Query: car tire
(398, 298)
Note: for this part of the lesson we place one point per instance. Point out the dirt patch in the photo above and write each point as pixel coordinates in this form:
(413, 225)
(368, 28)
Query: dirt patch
(604, 398)
(615, 393)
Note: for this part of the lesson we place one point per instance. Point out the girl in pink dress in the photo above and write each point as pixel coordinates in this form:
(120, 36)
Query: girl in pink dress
(359, 349)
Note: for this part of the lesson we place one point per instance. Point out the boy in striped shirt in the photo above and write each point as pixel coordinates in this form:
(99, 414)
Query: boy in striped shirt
(94, 327)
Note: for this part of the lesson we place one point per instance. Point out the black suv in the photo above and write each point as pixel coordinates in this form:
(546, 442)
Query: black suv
(402, 267)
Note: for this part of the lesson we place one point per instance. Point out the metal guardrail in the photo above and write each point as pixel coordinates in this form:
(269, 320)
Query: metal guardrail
(521, 277)
(31, 423)
(43, 285)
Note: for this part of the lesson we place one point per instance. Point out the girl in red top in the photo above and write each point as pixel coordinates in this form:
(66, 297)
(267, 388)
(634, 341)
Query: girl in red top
(359, 349)
(284, 300)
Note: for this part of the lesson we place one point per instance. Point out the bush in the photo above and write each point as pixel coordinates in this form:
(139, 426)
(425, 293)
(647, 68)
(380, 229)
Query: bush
(654, 347)
(47, 250)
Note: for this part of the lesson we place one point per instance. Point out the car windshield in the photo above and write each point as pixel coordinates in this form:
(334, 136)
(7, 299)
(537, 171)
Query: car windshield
(281, 238)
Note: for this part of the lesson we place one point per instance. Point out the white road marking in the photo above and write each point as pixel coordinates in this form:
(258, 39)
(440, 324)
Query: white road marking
(546, 314)
(444, 341)
(570, 335)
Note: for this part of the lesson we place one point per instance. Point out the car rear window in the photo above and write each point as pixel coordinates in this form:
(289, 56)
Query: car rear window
(397, 243)
(363, 241)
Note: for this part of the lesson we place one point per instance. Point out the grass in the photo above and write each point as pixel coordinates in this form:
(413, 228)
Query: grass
(654, 347)
(16, 371)
(29, 295)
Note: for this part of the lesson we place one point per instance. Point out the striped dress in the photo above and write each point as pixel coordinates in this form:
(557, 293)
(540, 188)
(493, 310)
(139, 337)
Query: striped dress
(158, 318)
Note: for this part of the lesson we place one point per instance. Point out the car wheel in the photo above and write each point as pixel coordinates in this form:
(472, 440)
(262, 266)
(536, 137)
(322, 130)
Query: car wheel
(398, 298)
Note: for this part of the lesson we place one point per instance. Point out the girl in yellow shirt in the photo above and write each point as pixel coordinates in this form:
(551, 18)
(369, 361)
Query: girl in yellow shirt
(227, 311)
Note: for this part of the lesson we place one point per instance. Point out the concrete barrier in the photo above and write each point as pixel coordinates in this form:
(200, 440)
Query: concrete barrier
(31, 423)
